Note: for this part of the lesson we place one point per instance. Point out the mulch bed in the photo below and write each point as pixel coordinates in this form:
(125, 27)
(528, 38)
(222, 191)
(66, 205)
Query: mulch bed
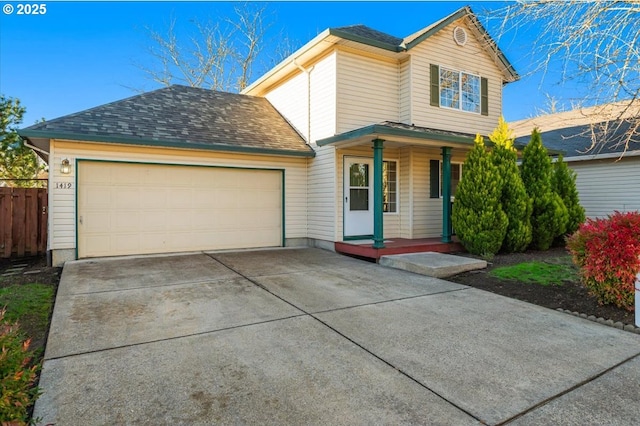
(571, 295)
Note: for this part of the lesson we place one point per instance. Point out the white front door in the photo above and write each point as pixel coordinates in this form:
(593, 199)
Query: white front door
(358, 196)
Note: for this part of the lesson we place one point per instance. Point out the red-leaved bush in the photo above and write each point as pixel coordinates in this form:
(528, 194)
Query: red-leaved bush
(608, 254)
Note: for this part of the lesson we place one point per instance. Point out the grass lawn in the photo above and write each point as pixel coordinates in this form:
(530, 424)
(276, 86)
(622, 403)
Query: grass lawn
(26, 297)
(552, 272)
(30, 306)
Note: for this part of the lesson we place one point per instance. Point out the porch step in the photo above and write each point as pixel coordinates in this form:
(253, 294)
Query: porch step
(438, 265)
(364, 249)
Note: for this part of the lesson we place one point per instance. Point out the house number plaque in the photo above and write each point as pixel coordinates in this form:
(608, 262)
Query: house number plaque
(63, 185)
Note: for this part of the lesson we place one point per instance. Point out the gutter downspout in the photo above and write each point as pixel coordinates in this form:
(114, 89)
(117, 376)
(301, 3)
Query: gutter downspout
(35, 148)
(308, 72)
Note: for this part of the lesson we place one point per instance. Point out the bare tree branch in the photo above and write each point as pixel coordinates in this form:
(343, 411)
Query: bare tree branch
(593, 47)
(220, 55)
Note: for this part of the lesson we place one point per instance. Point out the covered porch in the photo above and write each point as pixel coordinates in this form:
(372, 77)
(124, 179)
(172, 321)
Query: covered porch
(396, 187)
(365, 249)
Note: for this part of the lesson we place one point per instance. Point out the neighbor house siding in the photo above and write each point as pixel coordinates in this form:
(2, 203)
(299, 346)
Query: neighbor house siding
(63, 213)
(440, 49)
(367, 91)
(608, 185)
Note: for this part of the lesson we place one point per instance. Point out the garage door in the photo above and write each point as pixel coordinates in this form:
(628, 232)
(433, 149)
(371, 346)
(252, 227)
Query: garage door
(140, 208)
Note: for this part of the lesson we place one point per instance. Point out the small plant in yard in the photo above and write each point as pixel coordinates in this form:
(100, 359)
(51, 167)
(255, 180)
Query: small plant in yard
(607, 250)
(17, 375)
(477, 214)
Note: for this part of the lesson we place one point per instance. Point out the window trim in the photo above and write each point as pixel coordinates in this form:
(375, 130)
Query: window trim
(460, 85)
(453, 163)
(434, 84)
(393, 160)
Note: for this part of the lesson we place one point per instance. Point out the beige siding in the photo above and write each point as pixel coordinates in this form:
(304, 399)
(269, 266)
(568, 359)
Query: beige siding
(607, 185)
(367, 91)
(63, 199)
(290, 99)
(405, 92)
(322, 202)
(392, 221)
(440, 49)
(314, 88)
(406, 192)
(427, 212)
(323, 98)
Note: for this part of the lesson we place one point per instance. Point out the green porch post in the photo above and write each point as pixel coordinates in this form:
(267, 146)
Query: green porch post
(446, 194)
(378, 237)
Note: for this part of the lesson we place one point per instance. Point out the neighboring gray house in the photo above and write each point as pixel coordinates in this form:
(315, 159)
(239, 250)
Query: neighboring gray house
(593, 142)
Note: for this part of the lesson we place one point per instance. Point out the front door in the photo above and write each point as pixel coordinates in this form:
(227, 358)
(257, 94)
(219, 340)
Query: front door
(358, 196)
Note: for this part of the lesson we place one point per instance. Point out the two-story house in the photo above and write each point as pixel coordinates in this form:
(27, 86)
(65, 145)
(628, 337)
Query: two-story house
(358, 135)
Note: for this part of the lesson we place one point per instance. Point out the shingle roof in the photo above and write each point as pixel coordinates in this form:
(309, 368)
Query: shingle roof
(370, 34)
(573, 132)
(181, 116)
(577, 141)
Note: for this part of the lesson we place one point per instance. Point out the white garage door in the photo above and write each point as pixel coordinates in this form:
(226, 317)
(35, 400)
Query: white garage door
(141, 208)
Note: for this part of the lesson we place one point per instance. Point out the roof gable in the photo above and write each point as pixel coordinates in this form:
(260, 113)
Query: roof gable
(181, 116)
(479, 31)
(387, 44)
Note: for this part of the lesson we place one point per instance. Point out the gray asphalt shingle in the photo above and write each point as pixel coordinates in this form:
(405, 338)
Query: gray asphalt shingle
(183, 116)
(371, 34)
(577, 141)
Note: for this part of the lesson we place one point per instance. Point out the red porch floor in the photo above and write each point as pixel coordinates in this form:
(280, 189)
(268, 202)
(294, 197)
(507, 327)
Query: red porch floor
(397, 246)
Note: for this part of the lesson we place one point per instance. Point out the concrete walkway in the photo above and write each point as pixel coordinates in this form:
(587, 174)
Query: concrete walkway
(432, 264)
(307, 336)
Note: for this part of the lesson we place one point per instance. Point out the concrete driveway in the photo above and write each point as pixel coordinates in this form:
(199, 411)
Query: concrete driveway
(306, 336)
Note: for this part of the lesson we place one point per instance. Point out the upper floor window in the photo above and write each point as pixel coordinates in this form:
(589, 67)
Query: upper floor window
(459, 90)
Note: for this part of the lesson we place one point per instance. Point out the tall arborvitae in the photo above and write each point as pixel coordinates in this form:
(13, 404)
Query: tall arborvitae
(478, 219)
(549, 217)
(514, 199)
(564, 184)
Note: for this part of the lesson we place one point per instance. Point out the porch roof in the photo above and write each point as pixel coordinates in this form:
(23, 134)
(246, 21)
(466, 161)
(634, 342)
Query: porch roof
(397, 132)
(405, 134)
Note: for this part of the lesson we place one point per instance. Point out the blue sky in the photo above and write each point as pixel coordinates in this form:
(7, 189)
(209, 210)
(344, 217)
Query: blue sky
(82, 54)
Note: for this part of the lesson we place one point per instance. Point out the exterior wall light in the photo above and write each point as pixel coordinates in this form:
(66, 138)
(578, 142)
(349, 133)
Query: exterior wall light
(65, 167)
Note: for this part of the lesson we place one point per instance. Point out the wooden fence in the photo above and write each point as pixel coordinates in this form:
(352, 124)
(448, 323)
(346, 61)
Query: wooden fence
(23, 221)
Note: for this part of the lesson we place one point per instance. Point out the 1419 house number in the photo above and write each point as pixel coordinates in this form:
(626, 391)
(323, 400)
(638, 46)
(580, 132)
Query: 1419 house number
(63, 185)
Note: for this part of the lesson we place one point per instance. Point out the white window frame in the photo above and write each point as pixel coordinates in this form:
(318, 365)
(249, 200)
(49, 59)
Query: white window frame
(397, 192)
(460, 102)
(442, 180)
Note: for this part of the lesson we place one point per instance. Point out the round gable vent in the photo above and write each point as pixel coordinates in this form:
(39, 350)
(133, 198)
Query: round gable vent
(460, 36)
